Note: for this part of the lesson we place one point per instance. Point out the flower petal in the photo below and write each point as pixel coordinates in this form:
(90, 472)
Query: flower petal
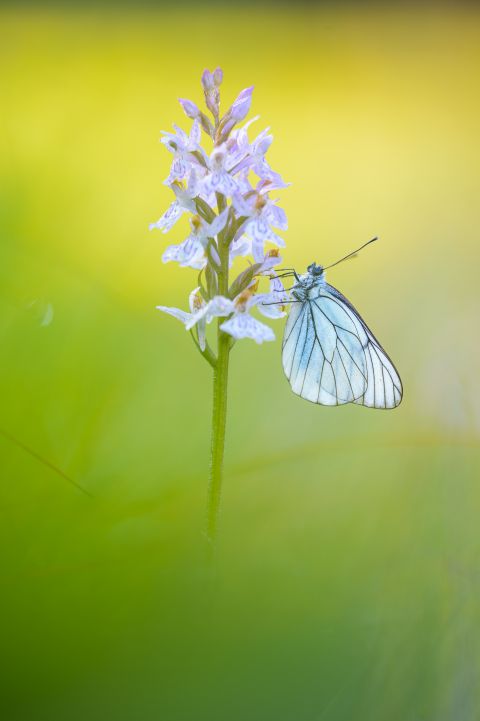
(218, 224)
(241, 105)
(179, 169)
(218, 307)
(181, 315)
(195, 136)
(242, 206)
(240, 246)
(189, 253)
(201, 333)
(277, 217)
(193, 184)
(268, 308)
(262, 143)
(243, 183)
(181, 137)
(268, 304)
(169, 218)
(260, 231)
(264, 171)
(266, 185)
(243, 325)
(195, 300)
(272, 258)
(221, 182)
(258, 249)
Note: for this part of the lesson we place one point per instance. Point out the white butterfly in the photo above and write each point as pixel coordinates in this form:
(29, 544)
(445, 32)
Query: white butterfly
(329, 354)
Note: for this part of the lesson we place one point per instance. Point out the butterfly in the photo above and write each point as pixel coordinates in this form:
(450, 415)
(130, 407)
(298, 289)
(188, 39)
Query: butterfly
(329, 354)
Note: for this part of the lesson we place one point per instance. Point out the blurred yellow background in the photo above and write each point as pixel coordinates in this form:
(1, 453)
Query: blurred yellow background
(347, 580)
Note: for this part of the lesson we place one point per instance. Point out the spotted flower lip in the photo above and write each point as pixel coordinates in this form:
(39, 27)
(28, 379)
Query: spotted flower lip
(261, 216)
(184, 202)
(218, 307)
(192, 251)
(243, 325)
(182, 146)
(218, 179)
(226, 190)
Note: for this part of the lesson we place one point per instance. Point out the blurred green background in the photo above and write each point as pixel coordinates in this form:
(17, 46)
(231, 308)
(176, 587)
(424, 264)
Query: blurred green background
(348, 570)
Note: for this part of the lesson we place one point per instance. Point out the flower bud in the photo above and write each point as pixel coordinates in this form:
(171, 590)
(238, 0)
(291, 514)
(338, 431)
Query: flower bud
(207, 80)
(189, 108)
(212, 99)
(241, 106)
(211, 83)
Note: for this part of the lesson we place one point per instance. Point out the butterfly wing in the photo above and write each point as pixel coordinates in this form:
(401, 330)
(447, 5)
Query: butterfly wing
(322, 355)
(331, 357)
(384, 387)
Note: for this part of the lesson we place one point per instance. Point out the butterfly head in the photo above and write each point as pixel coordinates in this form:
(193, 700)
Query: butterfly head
(309, 283)
(316, 271)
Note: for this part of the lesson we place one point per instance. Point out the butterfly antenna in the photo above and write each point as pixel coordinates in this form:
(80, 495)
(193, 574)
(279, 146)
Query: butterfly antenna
(353, 253)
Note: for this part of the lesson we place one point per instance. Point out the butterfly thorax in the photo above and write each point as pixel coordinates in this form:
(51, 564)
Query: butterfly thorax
(309, 284)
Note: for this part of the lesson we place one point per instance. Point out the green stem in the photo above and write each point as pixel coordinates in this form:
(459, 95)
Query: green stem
(220, 384)
(219, 419)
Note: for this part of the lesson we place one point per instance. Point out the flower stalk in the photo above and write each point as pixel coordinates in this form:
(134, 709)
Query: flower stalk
(220, 391)
(219, 421)
(231, 217)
